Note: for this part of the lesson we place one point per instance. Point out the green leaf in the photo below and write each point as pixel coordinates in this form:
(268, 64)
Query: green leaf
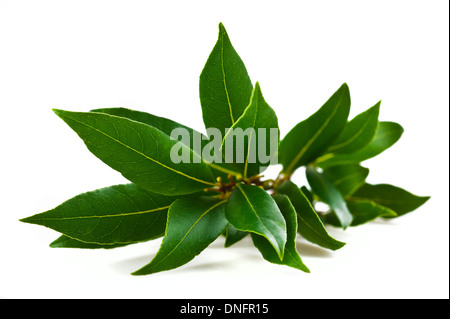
(163, 124)
(347, 178)
(291, 257)
(192, 224)
(358, 132)
(388, 134)
(245, 137)
(395, 198)
(232, 235)
(225, 87)
(252, 209)
(363, 211)
(329, 194)
(113, 215)
(66, 242)
(310, 138)
(140, 152)
(196, 141)
(309, 224)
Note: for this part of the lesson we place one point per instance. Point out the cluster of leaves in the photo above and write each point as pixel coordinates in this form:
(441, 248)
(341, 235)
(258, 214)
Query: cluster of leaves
(192, 204)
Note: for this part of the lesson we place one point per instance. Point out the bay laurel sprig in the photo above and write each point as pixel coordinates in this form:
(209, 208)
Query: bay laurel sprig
(190, 188)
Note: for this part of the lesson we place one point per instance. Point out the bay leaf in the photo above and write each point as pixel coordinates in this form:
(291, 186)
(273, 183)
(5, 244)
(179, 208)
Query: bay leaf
(392, 197)
(291, 256)
(140, 152)
(252, 209)
(388, 134)
(330, 195)
(117, 214)
(310, 225)
(225, 87)
(310, 138)
(192, 225)
(254, 137)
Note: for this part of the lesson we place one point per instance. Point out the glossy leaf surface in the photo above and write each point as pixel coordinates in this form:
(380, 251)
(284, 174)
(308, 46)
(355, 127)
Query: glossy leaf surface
(112, 215)
(291, 256)
(252, 209)
(358, 132)
(195, 140)
(250, 132)
(393, 197)
(346, 178)
(225, 87)
(140, 152)
(192, 224)
(388, 134)
(310, 138)
(309, 224)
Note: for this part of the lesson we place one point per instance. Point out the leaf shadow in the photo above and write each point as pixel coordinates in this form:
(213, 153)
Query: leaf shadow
(309, 250)
(127, 266)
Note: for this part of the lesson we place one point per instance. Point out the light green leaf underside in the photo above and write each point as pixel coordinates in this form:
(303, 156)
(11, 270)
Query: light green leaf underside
(329, 194)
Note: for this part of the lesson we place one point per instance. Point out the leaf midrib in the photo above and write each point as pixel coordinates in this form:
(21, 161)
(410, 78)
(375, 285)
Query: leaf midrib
(254, 211)
(313, 138)
(140, 153)
(187, 233)
(224, 79)
(353, 138)
(107, 216)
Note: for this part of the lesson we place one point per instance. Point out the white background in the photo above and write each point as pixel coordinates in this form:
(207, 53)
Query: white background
(147, 55)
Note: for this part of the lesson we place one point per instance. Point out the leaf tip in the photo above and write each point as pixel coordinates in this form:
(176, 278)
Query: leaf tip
(58, 112)
(222, 29)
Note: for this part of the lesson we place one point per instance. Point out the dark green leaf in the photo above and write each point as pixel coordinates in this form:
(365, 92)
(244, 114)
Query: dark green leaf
(225, 87)
(66, 242)
(241, 143)
(310, 138)
(358, 132)
(309, 224)
(113, 215)
(163, 124)
(395, 198)
(196, 141)
(252, 209)
(330, 195)
(346, 178)
(388, 134)
(140, 152)
(192, 224)
(232, 235)
(291, 257)
(307, 193)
